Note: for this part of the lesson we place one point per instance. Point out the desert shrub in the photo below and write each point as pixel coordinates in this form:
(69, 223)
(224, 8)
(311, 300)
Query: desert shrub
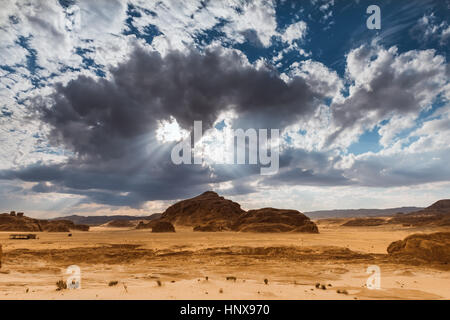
(266, 281)
(342, 291)
(159, 283)
(61, 285)
(113, 283)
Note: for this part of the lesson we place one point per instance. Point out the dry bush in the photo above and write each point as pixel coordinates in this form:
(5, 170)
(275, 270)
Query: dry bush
(113, 283)
(61, 285)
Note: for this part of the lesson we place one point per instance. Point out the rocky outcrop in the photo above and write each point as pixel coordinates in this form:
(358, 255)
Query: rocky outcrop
(434, 248)
(210, 212)
(15, 222)
(438, 214)
(163, 226)
(206, 208)
(120, 224)
(147, 224)
(274, 220)
(10, 222)
(364, 222)
(210, 227)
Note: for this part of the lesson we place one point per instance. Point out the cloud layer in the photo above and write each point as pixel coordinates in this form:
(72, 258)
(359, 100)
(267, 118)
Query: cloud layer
(87, 91)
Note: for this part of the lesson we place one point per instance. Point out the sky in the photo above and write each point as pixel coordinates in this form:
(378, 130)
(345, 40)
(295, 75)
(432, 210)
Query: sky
(95, 94)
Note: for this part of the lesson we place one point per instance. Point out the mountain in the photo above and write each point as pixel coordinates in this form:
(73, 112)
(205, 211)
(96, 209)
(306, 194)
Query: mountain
(350, 213)
(99, 220)
(436, 214)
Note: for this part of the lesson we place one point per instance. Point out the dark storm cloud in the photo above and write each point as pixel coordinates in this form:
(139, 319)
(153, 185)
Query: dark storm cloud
(109, 125)
(299, 167)
(98, 118)
(113, 184)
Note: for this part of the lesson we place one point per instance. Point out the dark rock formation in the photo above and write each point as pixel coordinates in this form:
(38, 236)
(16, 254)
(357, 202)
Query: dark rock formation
(206, 208)
(163, 226)
(23, 223)
(120, 224)
(274, 220)
(364, 222)
(146, 224)
(433, 247)
(210, 227)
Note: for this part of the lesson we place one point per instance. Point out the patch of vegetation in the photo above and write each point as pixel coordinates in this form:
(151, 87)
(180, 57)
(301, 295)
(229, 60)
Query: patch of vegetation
(61, 285)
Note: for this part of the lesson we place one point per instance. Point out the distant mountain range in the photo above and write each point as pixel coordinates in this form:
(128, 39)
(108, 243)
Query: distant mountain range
(353, 213)
(321, 214)
(98, 220)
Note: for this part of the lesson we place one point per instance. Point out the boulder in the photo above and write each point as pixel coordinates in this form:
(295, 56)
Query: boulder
(163, 226)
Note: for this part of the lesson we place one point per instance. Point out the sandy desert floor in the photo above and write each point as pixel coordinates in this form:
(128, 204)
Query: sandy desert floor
(191, 265)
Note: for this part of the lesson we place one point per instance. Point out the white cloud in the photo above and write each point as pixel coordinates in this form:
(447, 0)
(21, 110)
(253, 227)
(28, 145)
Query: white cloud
(295, 31)
(385, 83)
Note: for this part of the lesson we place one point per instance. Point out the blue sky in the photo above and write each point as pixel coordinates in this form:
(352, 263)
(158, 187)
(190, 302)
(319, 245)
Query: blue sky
(364, 113)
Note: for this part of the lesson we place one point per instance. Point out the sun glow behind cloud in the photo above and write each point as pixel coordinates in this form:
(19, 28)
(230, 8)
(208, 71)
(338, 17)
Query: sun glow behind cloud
(170, 131)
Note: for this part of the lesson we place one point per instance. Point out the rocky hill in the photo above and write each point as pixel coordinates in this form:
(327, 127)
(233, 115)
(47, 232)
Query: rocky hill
(120, 224)
(203, 209)
(433, 248)
(364, 222)
(13, 222)
(210, 212)
(274, 220)
(438, 214)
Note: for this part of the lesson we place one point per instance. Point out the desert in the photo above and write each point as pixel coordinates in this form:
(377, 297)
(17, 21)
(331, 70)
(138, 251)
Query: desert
(124, 261)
